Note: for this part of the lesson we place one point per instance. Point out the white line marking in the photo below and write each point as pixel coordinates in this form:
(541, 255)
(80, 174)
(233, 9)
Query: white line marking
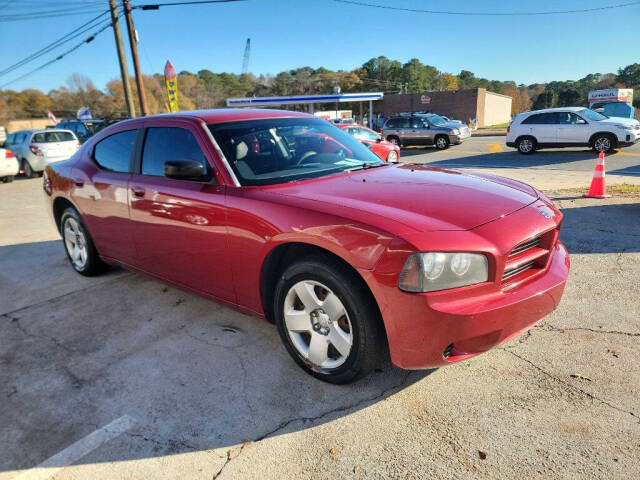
(77, 450)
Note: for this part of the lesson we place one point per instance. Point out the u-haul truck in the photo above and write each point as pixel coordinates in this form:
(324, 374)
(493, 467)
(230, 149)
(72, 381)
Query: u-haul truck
(597, 98)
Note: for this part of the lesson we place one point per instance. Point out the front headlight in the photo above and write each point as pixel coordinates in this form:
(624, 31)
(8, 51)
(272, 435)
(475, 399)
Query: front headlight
(430, 271)
(455, 131)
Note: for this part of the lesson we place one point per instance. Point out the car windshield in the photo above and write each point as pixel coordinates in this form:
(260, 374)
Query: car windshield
(280, 150)
(591, 115)
(52, 137)
(436, 120)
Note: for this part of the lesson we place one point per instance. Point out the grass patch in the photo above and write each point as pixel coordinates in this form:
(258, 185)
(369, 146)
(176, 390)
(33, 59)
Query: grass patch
(624, 188)
(500, 125)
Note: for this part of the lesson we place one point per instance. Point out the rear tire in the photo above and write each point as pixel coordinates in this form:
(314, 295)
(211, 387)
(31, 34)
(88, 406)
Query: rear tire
(78, 245)
(8, 179)
(526, 145)
(332, 329)
(28, 171)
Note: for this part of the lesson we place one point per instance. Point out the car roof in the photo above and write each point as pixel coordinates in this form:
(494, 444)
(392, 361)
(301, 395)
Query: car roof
(557, 109)
(44, 130)
(223, 115)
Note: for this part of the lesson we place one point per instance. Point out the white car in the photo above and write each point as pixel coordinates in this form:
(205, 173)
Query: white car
(8, 165)
(35, 149)
(571, 127)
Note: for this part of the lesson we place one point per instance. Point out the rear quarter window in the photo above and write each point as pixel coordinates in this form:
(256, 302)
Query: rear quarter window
(52, 137)
(114, 152)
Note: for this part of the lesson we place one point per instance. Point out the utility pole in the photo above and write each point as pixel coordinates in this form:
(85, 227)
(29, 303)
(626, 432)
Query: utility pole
(134, 54)
(121, 58)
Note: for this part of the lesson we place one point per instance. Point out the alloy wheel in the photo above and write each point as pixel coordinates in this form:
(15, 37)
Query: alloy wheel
(441, 142)
(525, 145)
(75, 243)
(318, 325)
(602, 144)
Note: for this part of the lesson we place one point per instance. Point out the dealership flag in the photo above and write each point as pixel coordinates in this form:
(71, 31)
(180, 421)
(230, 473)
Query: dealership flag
(83, 113)
(51, 116)
(171, 81)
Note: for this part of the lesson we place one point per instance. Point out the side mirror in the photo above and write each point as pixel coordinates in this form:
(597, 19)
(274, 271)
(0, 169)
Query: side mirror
(183, 169)
(378, 140)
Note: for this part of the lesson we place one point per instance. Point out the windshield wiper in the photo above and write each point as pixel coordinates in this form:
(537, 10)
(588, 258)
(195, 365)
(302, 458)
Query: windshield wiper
(365, 166)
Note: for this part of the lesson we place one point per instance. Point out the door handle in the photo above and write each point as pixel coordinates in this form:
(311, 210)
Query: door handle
(79, 183)
(138, 191)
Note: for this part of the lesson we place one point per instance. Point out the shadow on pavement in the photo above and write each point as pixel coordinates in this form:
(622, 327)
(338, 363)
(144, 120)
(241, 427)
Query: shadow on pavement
(602, 228)
(194, 375)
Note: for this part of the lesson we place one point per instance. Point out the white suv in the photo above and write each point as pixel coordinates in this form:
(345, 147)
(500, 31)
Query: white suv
(571, 127)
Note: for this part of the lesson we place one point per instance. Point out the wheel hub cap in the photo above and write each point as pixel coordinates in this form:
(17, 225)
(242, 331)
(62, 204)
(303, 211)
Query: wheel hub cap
(320, 321)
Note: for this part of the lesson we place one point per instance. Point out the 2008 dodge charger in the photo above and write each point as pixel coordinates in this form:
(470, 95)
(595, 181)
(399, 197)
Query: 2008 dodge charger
(285, 216)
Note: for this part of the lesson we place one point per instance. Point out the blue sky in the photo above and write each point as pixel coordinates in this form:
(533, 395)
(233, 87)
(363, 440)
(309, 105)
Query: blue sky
(291, 33)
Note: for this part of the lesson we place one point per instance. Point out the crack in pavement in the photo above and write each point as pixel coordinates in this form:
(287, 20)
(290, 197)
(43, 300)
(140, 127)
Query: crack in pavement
(551, 328)
(15, 321)
(286, 423)
(570, 386)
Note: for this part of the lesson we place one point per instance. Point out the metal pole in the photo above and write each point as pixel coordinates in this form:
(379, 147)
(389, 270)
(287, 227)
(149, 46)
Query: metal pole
(121, 58)
(370, 113)
(134, 55)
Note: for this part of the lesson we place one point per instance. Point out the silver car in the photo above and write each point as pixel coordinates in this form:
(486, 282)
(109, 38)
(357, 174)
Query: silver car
(424, 129)
(35, 149)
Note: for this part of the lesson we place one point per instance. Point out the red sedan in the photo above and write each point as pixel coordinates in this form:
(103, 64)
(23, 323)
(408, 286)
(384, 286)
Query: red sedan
(387, 151)
(282, 215)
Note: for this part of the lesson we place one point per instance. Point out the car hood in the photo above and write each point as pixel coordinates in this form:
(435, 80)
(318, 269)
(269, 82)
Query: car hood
(621, 121)
(415, 197)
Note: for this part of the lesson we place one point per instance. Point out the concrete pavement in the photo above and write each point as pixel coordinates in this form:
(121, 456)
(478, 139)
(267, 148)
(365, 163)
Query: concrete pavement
(121, 376)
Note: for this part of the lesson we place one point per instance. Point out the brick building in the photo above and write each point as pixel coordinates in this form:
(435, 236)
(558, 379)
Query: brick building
(477, 103)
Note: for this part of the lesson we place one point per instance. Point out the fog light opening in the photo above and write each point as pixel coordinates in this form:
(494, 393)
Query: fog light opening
(448, 351)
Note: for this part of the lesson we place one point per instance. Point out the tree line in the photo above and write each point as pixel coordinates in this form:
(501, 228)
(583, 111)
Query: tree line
(206, 89)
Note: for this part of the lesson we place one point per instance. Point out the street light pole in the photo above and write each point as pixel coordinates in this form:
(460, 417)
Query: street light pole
(134, 54)
(121, 58)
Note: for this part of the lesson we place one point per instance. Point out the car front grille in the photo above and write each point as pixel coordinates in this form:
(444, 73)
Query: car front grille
(529, 256)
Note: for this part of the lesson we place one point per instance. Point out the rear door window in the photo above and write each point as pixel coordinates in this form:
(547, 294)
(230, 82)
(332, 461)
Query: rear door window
(548, 118)
(114, 152)
(170, 143)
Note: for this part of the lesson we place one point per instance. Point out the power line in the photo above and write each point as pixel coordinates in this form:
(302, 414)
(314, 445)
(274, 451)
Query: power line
(55, 44)
(487, 14)
(62, 12)
(156, 6)
(61, 56)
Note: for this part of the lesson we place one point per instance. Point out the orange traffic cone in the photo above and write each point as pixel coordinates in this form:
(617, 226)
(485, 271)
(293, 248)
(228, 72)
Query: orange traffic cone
(598, 188)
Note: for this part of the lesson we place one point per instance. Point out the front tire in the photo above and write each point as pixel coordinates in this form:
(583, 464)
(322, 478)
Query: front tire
(441, 142)
(8, 179)
(78, 245)
(602, 143)
(328, 321)
(392, 157)
(395, 140)
(526, 145)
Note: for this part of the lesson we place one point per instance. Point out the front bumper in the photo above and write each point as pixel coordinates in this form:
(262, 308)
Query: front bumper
(458, 139)
(462, 329)
(629, 139)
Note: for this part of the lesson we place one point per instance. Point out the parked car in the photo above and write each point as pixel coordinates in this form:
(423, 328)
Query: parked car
(8, 164)
(351, 257)
(82, 129)
(570, 127)
(424, 129)
(35, 149)
(387, 151)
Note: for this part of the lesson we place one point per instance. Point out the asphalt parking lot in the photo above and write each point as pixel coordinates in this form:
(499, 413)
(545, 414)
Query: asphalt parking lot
(121, 376)
(551, 169)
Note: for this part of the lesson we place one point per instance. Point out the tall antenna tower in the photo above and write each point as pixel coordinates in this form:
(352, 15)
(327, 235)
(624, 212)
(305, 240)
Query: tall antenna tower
(245, 59)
